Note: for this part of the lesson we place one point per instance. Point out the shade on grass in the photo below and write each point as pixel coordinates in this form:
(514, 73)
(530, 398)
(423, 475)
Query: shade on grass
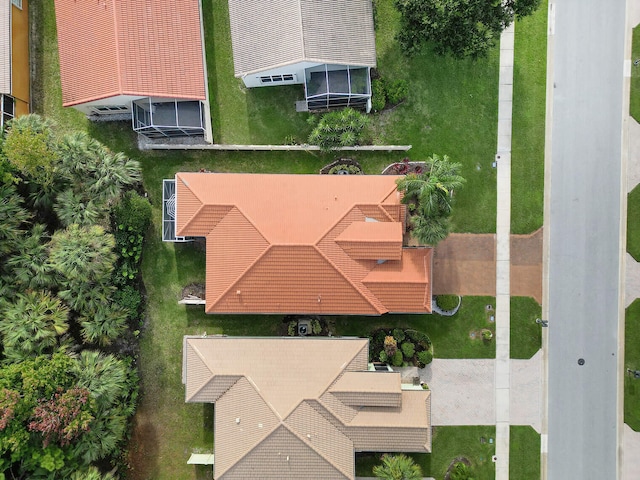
(632, 362)
(526, 334)
(448, 443)
(524, 453)
(528, 134)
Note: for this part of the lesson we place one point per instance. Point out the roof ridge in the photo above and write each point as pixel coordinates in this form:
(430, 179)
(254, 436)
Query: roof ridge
(213, 377)
(342, 369)
(313, 447)
(304, 50)
(117, 40)
(263, 438)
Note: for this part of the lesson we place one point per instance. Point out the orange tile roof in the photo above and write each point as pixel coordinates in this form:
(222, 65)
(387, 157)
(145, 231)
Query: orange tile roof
(278, 420)
(129, 47)
(303, 243)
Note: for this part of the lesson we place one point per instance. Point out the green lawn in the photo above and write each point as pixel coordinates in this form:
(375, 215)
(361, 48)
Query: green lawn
(634, 107)
(524, 453)
(448, 443)
(632, 361)
(633, 223)
(526, 334)
(527, 144)
(451, 336)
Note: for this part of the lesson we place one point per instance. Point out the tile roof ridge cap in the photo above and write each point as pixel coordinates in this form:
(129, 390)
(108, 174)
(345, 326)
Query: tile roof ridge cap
(313, 447)
(116, 33)
(299, 9)
(213, 377)
(340, 374)
(351, 282)
(246, 270)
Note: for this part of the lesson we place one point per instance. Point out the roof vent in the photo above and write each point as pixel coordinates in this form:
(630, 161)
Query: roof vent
(238, 420)
(309, 436)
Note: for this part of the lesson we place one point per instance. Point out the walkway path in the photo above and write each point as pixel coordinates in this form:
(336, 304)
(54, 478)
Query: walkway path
(503, 229)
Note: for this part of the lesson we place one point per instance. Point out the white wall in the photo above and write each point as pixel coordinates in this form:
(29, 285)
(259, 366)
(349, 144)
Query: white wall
(87, 108)
(296, 69)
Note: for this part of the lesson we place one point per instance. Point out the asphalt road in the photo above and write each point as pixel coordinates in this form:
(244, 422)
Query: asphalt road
(584, 223)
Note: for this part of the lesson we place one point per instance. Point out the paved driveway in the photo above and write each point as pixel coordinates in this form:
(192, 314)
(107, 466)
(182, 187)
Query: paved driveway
(463, 391)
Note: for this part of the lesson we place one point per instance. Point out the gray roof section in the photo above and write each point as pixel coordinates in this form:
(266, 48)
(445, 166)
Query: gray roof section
(266, 34)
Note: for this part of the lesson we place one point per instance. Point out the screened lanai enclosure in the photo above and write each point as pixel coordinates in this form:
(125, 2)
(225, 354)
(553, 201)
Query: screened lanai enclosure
(169, 212)
(331, 86)
(161, 117)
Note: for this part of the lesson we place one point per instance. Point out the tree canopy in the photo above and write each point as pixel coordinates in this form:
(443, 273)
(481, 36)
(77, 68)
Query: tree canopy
(397, 467)
(462, 28)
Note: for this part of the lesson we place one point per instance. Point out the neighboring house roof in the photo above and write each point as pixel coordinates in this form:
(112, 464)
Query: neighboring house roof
(300, 407)
(129, 47)
(274, 33)
(303, 243)
(5, 46)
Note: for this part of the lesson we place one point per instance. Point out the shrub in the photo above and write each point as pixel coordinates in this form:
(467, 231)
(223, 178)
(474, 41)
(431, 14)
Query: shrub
(342, 128)
(487, 334)
(424, 358)
(460, 471)
(396, 91)
(419, 338)
(398, 334)
(390, 345)
(384, 358)
(129, 299)
(447, 302)
(378, 95)
(408, 350)
(133, 212)
(316, 327)
(397, 359)
(349, 169)
(292, 329)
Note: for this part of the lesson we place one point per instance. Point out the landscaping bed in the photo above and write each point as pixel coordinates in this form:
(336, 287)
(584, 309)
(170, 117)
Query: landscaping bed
(400, 347)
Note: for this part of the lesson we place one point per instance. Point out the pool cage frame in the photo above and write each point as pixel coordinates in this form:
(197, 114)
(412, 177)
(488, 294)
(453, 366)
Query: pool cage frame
(166, 118)
(351, 89)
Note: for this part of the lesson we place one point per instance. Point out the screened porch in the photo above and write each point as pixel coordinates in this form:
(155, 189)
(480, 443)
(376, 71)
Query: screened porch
(161, 117)
(331, 86)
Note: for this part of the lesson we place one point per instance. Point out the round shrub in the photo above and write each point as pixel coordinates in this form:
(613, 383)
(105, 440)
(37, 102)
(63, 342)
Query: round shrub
(447, 302)
(408, 350)
(292, 329)
(424, 358)
(397, 91)
(419, 338)
(398, 334)
(316, 327)
(133, 212)
(129, 299)
(378, 95)
(397, 359)
(384, 358)
(390, 345)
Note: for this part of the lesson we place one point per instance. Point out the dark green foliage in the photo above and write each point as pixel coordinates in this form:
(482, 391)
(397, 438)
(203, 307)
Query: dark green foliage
(461, 471)
(384, 358)
(378, 95)
(424, 358)
(419, 338)
(462, 28)
(397, 91)
(398, 334)
(447, 302)
(12, 218)
(129, 299)
(133, 211)
(316, 327)
(408, 350)
(340, 128)
(397, 359)
(397, 467)
(132, 217)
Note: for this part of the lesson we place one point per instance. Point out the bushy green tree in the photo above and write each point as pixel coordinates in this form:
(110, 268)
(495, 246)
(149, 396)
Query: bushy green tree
(462, 28)
(397, 467)
(29, 266)
(13, 216)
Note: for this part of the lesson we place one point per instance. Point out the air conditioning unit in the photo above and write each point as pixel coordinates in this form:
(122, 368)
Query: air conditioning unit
(304, 327)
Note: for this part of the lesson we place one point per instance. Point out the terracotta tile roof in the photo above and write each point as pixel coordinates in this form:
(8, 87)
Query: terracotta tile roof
(303, 243)
(267, 35)
(278, 414)
(129, 47)
(5, 46)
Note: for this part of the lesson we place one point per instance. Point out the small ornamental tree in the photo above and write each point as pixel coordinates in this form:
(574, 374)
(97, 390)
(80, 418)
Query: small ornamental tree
(341, 128)
(390, 346)
(397, 467)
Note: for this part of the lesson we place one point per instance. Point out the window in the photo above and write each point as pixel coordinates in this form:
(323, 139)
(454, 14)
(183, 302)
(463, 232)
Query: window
(7, 109)
(287, 77)
(110, 109)
(17, 3)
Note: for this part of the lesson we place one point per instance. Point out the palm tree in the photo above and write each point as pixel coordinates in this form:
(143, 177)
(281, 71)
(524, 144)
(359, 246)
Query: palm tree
(397, 467)
(105, 376)
(431, 192)
(429, 231)
(79, 209)
(30, 264)
(92, 473)
(105, 325)
(32, 325)
(12, 218)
